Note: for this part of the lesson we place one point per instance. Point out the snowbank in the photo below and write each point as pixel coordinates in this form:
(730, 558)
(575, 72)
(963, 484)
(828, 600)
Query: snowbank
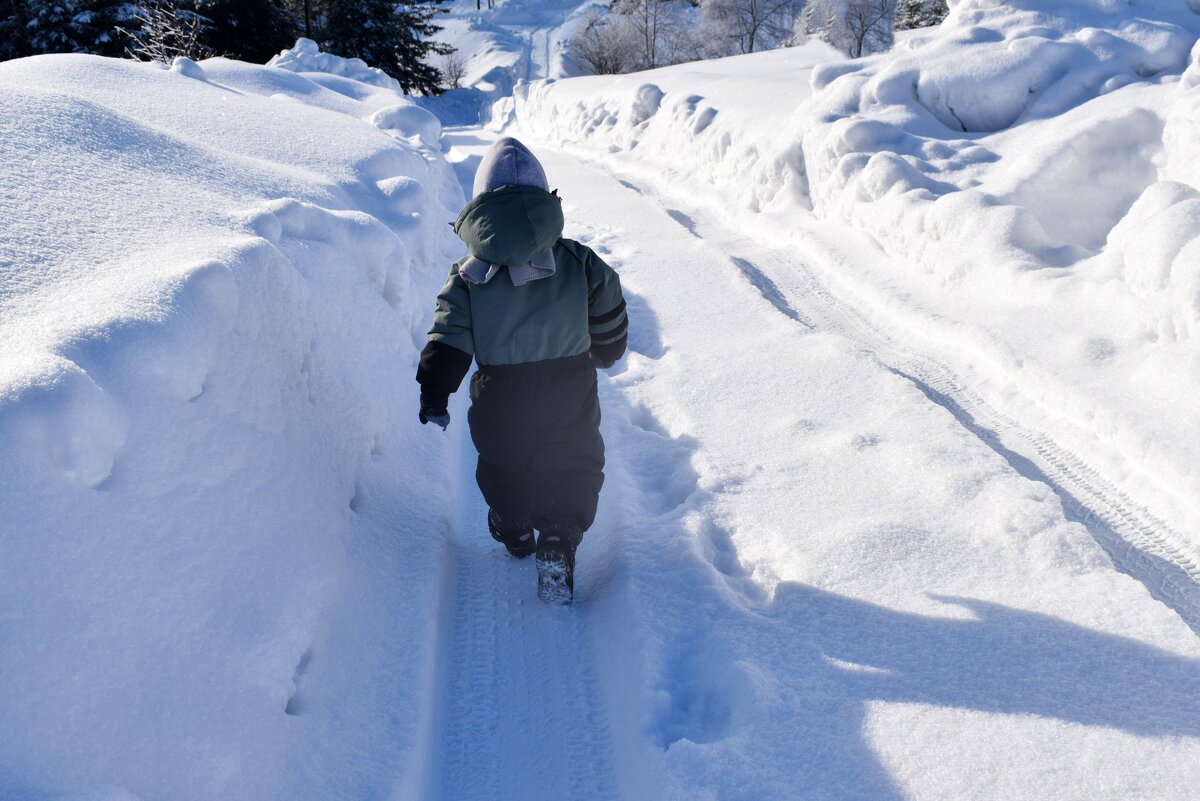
(1024, 175)
(213, 283)
(706, 124)
(306, 56)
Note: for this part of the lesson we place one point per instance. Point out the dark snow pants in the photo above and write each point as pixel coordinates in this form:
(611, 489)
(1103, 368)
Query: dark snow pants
(537, 429)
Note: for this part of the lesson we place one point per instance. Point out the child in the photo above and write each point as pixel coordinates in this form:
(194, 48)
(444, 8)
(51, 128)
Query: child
(538, 313)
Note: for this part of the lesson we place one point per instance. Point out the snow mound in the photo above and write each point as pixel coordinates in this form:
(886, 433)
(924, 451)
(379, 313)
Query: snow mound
(709, 124)
(409, 119)
(214, 280)
(306, 56)
(904, 126)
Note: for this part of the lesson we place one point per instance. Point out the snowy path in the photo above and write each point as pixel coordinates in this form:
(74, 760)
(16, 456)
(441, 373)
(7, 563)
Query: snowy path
(1139, 543)
(811, 544)
(519, 709)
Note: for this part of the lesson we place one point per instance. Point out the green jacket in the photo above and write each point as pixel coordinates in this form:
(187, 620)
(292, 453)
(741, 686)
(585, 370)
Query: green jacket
(576, 310)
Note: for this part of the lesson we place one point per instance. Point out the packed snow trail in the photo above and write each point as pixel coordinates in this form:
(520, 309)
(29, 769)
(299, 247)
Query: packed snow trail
(801, 558)
(518, 708)
(519, 712)
(1139, 543)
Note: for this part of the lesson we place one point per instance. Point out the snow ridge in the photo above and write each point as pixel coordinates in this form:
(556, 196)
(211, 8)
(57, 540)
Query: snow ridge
(206, 291)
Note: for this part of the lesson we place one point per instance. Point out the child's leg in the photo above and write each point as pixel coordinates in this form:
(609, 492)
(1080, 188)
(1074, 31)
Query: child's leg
(569, 461)
(505, 439)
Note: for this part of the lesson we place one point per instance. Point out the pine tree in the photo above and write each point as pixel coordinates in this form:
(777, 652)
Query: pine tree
(51, 28)
(910, 14)
(920, 13)
(935, 12)
(249, 30)
(309, 16)
(96, 25)
(392, 36)
(60, 26)
(14, 29)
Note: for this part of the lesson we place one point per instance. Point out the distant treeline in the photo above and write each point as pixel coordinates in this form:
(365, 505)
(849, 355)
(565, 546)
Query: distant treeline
(395, 36)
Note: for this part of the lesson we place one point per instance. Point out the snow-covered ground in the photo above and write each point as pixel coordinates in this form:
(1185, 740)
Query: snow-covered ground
(875, 526)
(809, 579)
(213, 523)
(498, 47)
(1047, 255)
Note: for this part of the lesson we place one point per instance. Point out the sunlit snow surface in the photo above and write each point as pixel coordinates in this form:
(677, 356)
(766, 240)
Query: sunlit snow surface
(213, 284)
(1051, 249)
(233, 565)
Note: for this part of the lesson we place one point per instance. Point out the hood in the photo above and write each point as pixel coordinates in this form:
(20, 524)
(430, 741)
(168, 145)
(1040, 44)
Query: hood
(513, 221)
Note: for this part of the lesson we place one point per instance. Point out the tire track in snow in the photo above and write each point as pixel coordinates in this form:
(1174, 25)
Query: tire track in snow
(1139, 543)
(519, 710)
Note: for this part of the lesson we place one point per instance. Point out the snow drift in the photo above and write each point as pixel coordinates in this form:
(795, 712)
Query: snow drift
(1025, 177)
(212, 282)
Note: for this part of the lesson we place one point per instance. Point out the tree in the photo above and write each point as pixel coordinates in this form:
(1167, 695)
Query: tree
(250, 30)
(868, 26)
(935, 12)
(652, 22)
(308, 16)
(454, 68)
(753, 24)
(920, 13)
(14, 29)
(822, 19)
(32, 27)
(392, 36)
(51, 28)
(604, 44)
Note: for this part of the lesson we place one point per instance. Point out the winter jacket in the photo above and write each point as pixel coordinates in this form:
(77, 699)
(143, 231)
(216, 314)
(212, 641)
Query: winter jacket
(576, 309)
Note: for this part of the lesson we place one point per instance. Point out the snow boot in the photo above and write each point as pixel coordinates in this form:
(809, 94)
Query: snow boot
(556, 565)
(519, 541)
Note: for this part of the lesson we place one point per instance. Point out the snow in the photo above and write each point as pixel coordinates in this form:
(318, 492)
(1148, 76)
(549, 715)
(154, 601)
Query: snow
(800, 560)
(213, 292)
(899, 497)
(1042, 251)
(306, 57)
(502, 46)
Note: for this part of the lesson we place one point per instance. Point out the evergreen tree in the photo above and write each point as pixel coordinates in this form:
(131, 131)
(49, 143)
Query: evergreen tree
(14, 29)
(392, 36)
(309, 16)
(61, 26)
(249, 30)
(96, 26)
(920, 13)
(935, 12)
(51, 27)
(910, 14)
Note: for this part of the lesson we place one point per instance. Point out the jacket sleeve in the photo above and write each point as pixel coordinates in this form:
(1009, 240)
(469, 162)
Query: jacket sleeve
(447, 355)
(608, 321)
